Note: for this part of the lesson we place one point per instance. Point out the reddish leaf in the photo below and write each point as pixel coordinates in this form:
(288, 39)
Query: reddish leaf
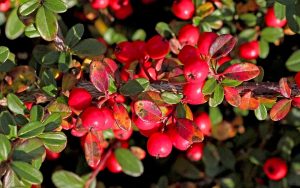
(138, 152)
(280, 109)
(99, 76)
(284, 87)
(110, 66)
(152, 96)
(222, 45)
(121, 116)
(147, 111)
(92, 150)
(79, 130)
(242, 71)
(248, 103)
(188, 130)
(232, 96)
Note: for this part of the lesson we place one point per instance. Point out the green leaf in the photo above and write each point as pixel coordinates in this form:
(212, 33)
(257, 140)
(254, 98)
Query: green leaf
(31, 31)
(215, 115)
(130, 164)
(228, 159)
(4, 53)
(89, 48)
(134, 87)
(186, 169)
(248, 34)
(249, 19)
(293, 62)
(54, 141)
(46, 23)
(52, 122)
(14, 27)
(15, 104)
(231, 82)
(261, 112)
(31, 129)
(139, 34)
(271, 34)
(64, 61)
(50, 58)
(74, 35)
(36, 113)
(56, 6)
(209, 86)
(263, 49)
(279, 10)
(164, 30)
(217, 97)
(28, 7)
(171, 98)
(27, 172)
(5, 147)
(8, 124)
(29, 150)
(65, 179)
(11, 180)
(48, 83)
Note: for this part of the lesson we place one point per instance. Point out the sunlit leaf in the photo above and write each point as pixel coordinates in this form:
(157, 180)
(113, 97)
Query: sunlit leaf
(188, 130)
(280, 109)
(242, 71)
(147, 111)
(99, 76)
(121, 116)
(232, 96)
(248, 102)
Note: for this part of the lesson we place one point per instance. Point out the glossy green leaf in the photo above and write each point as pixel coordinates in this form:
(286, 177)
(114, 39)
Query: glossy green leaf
(59, 107)
(57, 6)
(29, 150)
(31, 31)
(5, 147)
(217, 97)
(163, 29)
(52, 122)
(27, 172)
(271, 34)
(65, 179)
(215, 115)
(171, 98)
(36, 113)
(230, 82)
(89, 48)
(50, 58)
(248, 34)
(130, 164)
(11, 180)
(279, 10)
(261, 112)
(31, 129)
(4, 53)
(48, 83)
(139, 34)
(134, 87)
(14, 27)
(209, 86)
(8, 124)
(28, 7)
(64, 61)
(249, 19)
(15, 104)
(74, 35)
(293, 62)
(46, 23)
(263, 49)
(54, 141)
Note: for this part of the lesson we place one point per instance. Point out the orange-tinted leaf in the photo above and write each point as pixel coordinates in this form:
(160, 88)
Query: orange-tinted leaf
(242, 71)
(22, 78)
(184, 111)
(147, 111)
(280, 109)
(268, 102)
(284, 87)
(61, 108)
(152, 96)
(121, 116)
(92, 150)
(248, 102)
(79, 130)
(232, 96)
(188, 130)
(99, 76)
(205, 9)
(138, 152)
(222, 45)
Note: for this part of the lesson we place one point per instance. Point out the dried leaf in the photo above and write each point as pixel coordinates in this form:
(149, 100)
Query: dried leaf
(121, 116)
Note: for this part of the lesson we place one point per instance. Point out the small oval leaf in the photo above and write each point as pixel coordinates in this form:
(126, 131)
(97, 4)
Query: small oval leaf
(280, 109)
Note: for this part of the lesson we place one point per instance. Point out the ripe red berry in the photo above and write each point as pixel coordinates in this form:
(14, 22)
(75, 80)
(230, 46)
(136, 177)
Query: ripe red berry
(99, 4)
(125, 52)
(4, 5)
(271, 20)
(113, 165)
(223, 60)
(144, 125)
(95, 118)
(275, 168)
(193, 93)
(140, 49)
(249, 50)
(149, 132)
(51, 155)
(109, 119)
(159, 145)
(28, 105)
(79, 99)
(203, 123)
(196, 70)
(177, 140)
(123, 12)
(121, 134)
(117, 4)
(186, 53)
(183, 9)
(188, 35)
(195, 152)
(157, 47)
(205, 41)
(297, 79)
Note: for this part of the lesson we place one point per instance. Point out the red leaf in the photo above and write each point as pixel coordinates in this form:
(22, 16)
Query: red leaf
(242, 71)
(284, 87)
(248, 103)
(138, 152)
(147, 111)
(79, 130)
(99, 76)
(222, 45)
(121, 117)
(280, 109)
(92, 150)
(110, 66)
(188, 130)
(232, 96)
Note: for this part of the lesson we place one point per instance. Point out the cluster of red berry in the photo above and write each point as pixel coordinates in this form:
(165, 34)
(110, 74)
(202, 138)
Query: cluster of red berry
(4, 5)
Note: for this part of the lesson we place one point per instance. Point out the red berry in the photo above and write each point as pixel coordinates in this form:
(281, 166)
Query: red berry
(93, 117)
(272, 21)
(249, 50)
(109, 119)
(188, 35)
(196, 70)
(4, 5)
(117, 4)
(275, 168)
(140, 49)
(186, 53)
(205, 41)
(149, 132)
(123, 12)
(79, 99)
(195, 152)
(121, 134)
(113, 165)
(297, 79)
(157, 47)
(159, 145)
(125, 52)
(183, 9)
(28, 105)
(193, 93)
(145, 125)
(99, 4)
(124, 75)
(177, 140)
(203, 122)
(50, 155)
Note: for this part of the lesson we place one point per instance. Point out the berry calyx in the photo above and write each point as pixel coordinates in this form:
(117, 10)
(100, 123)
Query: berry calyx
(157, 47)
(79, 99)
(249, 50)
(159, 145)
(272, 21)
(203, 123)
(196, 70)
(195, 152)
(188, 35)
(113, 165)
(275, 168)
(183, 9)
